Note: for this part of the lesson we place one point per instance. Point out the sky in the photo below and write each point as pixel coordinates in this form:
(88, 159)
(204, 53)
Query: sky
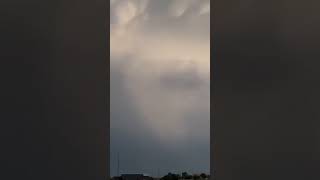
(160, 86)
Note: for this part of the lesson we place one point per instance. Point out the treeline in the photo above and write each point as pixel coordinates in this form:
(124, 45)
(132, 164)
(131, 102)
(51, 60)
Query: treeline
(185, 175)
(169, 176)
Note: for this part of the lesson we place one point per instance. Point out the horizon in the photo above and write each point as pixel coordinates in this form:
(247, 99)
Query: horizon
(148, 175)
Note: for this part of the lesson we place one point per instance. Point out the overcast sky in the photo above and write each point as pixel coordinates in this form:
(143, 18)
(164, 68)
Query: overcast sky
(160, 57)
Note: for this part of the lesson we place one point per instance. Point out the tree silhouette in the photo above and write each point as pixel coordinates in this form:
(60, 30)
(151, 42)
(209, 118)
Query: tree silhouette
(170, 176)
(184, 175)
(196, 177)
(203, 175)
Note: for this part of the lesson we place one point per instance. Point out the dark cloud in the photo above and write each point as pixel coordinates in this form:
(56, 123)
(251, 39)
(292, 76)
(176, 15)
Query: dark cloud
(161, 19)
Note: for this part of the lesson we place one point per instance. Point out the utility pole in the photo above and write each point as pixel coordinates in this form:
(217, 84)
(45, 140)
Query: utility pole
(118, 164)
(158, 173)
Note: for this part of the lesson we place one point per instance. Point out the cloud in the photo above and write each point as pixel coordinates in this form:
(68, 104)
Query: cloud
(160, 65)
(178, 8)
(140, 147)
(204, 8)
(160, 61)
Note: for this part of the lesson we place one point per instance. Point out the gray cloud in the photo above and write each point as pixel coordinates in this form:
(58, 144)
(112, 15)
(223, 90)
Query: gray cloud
(159, 97)
(185, 80)
(140, 149)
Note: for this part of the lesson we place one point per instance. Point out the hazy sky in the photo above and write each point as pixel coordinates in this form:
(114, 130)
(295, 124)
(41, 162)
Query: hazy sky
(160, 57)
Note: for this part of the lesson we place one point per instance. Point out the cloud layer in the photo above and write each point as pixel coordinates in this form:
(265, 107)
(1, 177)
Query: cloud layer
(160, 60)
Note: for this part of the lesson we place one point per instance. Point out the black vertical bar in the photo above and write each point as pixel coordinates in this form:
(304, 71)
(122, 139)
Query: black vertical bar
(265, 89)
(54, 90)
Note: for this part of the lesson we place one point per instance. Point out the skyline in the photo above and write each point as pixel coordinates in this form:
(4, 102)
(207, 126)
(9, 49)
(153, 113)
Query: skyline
(160, 85)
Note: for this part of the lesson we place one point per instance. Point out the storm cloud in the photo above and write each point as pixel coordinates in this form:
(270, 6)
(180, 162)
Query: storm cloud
(160, 57)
